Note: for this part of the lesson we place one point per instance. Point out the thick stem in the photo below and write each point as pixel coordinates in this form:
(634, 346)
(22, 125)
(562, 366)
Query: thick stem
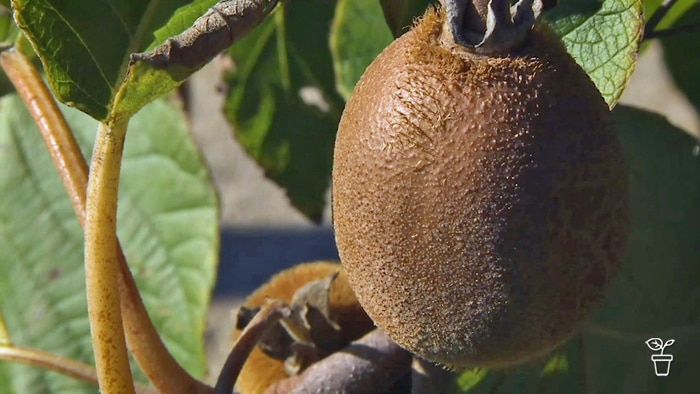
(62, 365)
(162, 370)
(101, 269)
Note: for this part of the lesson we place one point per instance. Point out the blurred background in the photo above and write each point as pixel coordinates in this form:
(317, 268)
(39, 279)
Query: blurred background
(262, 233)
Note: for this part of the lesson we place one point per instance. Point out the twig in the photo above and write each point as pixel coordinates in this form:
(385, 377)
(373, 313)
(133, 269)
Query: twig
(658, 15)
(62, 365)
(270, 314)
(372, 361)
(673, 31)
(162, 370)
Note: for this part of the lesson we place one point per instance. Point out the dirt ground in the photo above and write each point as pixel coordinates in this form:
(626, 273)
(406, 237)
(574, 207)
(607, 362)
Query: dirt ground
(262, 233)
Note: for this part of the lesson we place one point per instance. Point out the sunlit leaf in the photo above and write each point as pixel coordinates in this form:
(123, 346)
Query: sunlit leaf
(85, 45)
(603, 37)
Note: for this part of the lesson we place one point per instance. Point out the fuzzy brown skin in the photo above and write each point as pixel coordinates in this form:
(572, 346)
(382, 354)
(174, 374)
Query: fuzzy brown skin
(480, 203)
(260, 370)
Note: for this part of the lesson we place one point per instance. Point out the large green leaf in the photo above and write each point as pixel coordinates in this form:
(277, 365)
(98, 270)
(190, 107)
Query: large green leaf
(282, 102)
(359, 33)
(167, 224)
(85, 45)
(683, 58)
(656, 295)
(603, 36)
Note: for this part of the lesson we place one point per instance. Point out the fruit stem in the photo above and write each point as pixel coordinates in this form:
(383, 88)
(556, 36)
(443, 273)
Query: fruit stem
(490, 27)
(162, 370)
(267, 317)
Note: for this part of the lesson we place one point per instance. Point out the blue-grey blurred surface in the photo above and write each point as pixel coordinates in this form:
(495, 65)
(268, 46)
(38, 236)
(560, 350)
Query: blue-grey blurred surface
(250, 256)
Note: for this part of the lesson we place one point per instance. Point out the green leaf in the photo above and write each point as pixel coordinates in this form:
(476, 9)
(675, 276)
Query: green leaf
(282, 101)
(400, 14)
(603, 36)
(469, 379)
(358, 35)
(85, 45)
(656, 294)
(682, 57)
(167, 224)
(144, 83)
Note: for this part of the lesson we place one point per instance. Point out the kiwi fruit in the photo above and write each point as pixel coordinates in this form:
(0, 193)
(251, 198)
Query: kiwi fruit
(479, 191)
(263, 367)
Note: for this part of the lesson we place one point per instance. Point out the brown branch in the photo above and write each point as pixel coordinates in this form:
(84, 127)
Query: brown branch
(62, 365)
(372, 361)
(143, 339)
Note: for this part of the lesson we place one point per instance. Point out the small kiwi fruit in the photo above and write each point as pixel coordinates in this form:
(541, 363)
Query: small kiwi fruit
(263, 368)
(479, 191)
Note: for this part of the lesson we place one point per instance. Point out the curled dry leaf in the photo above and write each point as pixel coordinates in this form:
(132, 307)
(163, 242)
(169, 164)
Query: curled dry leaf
(210, 34)
(325, 317)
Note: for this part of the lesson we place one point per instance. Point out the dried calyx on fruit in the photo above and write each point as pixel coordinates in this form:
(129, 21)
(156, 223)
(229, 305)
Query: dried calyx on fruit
(479, 189)
(325, 317)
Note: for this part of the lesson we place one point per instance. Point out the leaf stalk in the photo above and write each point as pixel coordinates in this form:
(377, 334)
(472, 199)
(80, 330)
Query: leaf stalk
(62, 365)
(101, 269)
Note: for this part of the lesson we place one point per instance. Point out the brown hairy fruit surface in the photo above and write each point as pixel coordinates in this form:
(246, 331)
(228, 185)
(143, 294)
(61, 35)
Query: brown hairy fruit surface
(261, 370)
(480, 203)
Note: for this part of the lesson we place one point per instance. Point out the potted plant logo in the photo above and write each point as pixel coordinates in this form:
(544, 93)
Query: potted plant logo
(662, 362)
